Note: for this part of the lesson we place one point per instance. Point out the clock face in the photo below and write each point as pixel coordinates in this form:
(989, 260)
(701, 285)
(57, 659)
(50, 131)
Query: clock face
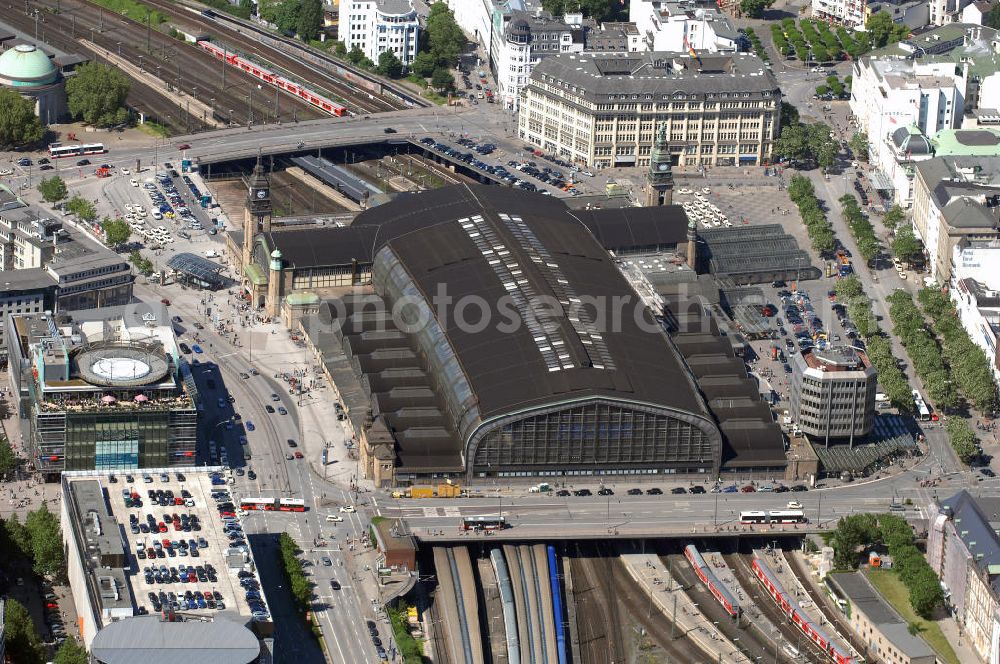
(664, 167)
(261, 193)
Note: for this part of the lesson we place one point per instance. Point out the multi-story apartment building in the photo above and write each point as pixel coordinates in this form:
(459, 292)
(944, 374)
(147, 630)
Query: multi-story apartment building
(377, 26)
(943, 12)
(963, 548)
(603, 109)
(614, 38)
(833, 393)
(677, 25)
(29, 291)
(956, 207)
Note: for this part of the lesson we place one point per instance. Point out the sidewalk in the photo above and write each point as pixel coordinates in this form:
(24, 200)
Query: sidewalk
(649, 572)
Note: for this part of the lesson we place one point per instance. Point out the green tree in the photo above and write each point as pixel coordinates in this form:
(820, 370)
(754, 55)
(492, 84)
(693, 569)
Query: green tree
(442, 79)
(71, 652)
(445, 40)
(859, 145)
(893, 217)
(22, 643)
(82, 208)
(852, 533)
(424, 65)
(389, 65)
(18, 123)
(46, 543)
(18, 536)
(8, 460)
(599, 10)
(287, 15)
(96, 94)
(789, 114)
(53, 189)
(142, 265)
(116, 231)
(754, 8)
(883, 31)
(793, 143)
(992, 19)
(905, 245)
(356, 55)
(340, 49)
(925, 593)
(310, 20)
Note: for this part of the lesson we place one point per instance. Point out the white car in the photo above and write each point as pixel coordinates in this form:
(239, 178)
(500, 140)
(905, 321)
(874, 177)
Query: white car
(134, 182)
(124, 171)
(794, 505)
(335, 518)
(129, 207)
(706, 190)
(348, 509)
(6, 171)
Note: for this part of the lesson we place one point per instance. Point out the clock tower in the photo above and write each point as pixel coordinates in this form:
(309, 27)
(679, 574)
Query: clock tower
(659, 178)
(257, 211)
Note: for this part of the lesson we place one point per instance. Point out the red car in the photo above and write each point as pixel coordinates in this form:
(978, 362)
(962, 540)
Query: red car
(165, 301)
(51, 605)
(748, 489)
(184, 146)
(298, 455)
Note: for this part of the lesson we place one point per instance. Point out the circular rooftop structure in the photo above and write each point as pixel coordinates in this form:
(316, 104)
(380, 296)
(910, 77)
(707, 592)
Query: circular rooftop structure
(120, 365)
(26, 66)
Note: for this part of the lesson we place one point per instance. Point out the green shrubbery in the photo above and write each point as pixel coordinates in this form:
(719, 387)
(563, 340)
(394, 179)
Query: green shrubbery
(861, 228)
(803, 194)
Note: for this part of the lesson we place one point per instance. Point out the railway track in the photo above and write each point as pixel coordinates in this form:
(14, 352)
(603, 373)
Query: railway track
(750, 640)
(600, 635)
(179, 65)
(141, 97)
(790, 634)
(235, 36)
(842, 626)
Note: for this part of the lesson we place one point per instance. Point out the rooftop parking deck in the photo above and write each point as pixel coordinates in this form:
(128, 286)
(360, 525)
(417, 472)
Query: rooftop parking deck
(199, 512)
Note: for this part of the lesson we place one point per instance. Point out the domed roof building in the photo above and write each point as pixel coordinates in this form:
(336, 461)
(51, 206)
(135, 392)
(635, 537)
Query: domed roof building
(32, 73)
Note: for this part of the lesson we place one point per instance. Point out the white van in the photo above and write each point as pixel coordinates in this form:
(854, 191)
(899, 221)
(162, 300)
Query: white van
(211, 253)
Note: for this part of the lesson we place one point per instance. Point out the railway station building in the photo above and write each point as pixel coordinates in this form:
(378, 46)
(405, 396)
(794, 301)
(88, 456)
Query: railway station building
(33, 73)
(570, 387)
(105, 389)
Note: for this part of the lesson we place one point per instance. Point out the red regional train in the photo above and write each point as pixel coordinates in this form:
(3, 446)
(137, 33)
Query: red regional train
(790, 607)
(271, 78)
(704, 572)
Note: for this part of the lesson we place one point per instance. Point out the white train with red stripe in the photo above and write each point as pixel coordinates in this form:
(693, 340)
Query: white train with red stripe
(269, 77)
(835, 651)
(704, 572)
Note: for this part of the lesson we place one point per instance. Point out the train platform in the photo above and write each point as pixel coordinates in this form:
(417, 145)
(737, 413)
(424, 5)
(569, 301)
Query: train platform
(670, 599)
(726, 576)
(783, 572)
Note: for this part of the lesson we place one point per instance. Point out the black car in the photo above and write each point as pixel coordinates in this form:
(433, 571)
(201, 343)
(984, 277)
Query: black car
(655, 491)
(269, 408)
(605, 492)
(677, 490)
(43, 160)
(251, 475)
(698, 489)
(45, 167)
(185, 348)
(582, 492)
(389, 130)
(563, 492)
(781, 488)
(799, 487)
(635, 492)
(83, 162)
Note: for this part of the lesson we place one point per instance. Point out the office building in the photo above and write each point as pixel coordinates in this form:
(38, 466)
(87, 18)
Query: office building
(956, 208)
(885, 635)
(963, 549)
(135, 603)
(676, 26)
(44, 266)
(978, 307)
(833, 393)
(522, 40)
(377, 26)
(105, 389)
(603, 109)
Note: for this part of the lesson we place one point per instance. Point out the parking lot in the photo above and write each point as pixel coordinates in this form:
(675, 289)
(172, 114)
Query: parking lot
(180, 541)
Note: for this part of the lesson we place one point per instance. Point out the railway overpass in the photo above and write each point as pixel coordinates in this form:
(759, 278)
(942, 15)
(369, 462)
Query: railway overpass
(239, 143)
